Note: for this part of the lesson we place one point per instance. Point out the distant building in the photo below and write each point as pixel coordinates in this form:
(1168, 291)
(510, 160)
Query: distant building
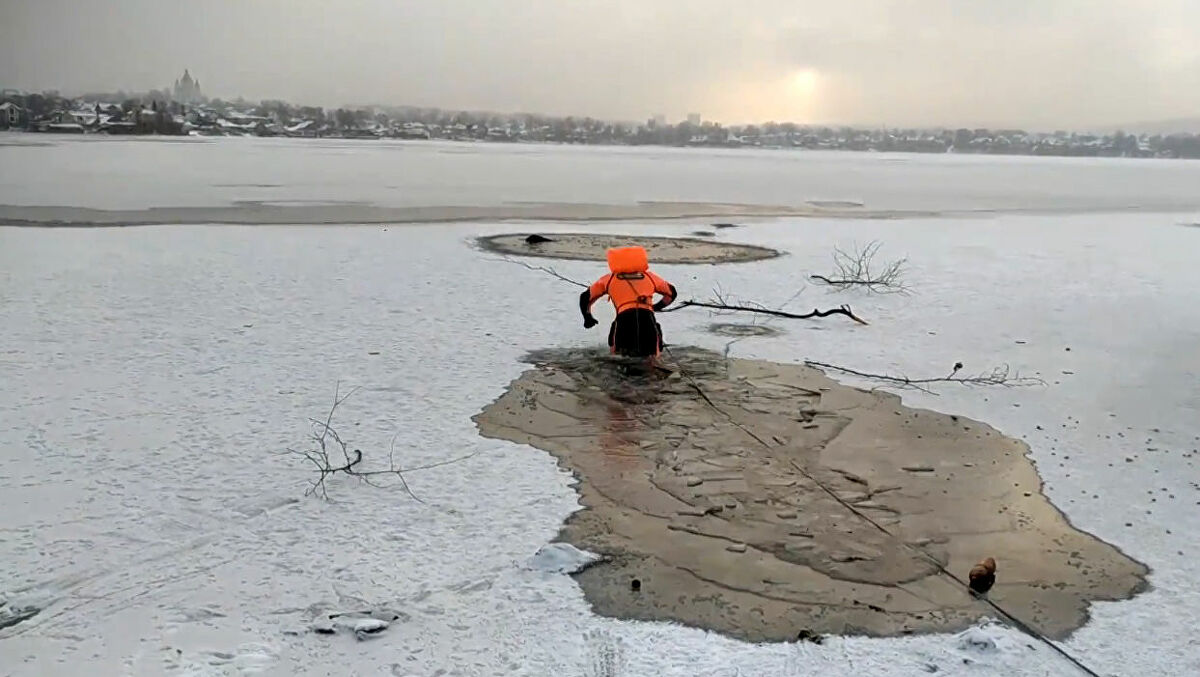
(693, 119)
(11, 115)
(187, 90)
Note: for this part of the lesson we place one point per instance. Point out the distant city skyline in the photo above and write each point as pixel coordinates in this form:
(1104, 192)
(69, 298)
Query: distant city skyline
(987, 63)
(180, 110)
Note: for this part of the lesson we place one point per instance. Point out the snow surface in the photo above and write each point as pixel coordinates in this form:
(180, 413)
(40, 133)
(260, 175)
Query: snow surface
(114, 173)
(561, 558)
(152, 376)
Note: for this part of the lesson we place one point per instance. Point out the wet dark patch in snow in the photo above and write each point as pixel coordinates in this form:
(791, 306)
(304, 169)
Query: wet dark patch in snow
(594, 247)
(699, 523)
(740, 330)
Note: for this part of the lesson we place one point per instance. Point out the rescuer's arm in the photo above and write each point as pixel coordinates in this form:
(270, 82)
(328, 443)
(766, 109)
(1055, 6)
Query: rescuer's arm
(589, 296)
(585, 307)
(666, 289)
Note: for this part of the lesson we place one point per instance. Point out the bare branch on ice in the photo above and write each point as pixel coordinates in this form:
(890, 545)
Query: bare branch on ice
(326, 442)
(857, 268)
(998, 376)
(719, 303)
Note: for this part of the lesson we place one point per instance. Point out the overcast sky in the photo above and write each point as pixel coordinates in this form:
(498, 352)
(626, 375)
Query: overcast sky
(1033, 63)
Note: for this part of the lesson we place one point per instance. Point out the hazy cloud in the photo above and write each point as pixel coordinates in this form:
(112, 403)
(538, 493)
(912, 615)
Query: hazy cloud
(1042, 63)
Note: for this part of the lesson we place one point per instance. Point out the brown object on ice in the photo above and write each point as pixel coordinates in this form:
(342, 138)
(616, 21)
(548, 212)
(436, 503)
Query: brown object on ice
(982, 576)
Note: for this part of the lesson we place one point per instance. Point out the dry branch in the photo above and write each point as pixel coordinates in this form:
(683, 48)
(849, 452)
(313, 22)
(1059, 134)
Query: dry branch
(327, 442)
(998, 376)
(721, 303)
(842, 310)
(858, 269)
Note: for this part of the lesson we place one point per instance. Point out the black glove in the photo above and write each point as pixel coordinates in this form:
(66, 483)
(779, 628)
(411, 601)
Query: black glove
(662, 303)
(589, 322)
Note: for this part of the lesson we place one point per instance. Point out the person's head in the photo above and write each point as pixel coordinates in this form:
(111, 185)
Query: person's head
(628, 260)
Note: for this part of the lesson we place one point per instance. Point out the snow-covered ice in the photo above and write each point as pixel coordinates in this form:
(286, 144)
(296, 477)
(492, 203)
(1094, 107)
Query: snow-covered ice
(561, 558)
(153, 376)
(134, 173)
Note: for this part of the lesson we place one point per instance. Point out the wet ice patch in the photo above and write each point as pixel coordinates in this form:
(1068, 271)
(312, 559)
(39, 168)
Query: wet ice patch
(592, 247)
(742, 330)
(561, 558)
(614, 432)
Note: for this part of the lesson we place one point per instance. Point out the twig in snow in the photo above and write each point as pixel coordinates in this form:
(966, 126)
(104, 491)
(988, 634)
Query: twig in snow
(856, 269)
(326, 440)
(998, 376)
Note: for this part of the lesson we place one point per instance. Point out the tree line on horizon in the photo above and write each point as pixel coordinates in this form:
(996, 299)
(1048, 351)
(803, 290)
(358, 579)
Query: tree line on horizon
(572, 129)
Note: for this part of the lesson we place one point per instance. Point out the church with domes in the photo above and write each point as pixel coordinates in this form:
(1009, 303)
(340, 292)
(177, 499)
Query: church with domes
(187, 90)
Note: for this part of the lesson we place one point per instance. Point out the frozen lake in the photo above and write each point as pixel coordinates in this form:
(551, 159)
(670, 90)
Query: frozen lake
(136, 174)
(152, 376)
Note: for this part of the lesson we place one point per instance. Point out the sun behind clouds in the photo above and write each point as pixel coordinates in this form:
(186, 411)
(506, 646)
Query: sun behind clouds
(804, 82)
(793, 96)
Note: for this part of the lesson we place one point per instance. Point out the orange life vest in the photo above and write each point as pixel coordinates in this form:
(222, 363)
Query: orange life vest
(630, 284)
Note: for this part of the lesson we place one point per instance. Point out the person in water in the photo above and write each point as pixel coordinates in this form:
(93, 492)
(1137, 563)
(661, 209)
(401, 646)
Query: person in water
(631, 287)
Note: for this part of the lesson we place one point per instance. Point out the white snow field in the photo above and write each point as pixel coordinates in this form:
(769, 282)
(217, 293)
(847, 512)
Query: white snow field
(152, 376)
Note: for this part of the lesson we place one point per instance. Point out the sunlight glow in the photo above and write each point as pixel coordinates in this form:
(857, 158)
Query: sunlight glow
(804, 82)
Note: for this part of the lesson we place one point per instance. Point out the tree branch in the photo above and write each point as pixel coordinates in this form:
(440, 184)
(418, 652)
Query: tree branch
(855, 269)
(319, 456)
(842, 310)
(998, 376)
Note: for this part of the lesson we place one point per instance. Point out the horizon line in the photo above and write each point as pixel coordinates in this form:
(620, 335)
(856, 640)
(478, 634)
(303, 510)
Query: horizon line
(1042, 129)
